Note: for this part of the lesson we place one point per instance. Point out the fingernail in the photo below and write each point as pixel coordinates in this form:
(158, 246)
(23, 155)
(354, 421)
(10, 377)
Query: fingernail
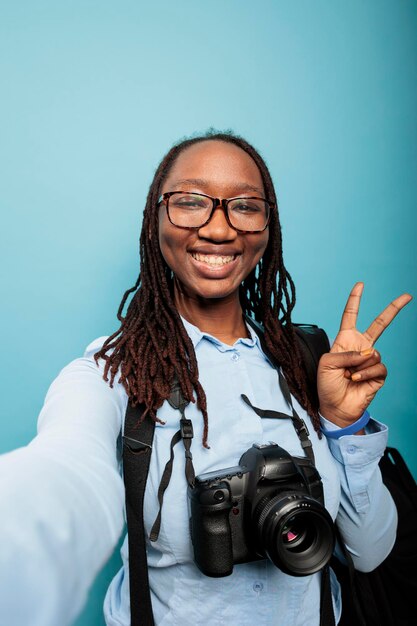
(356, 376)
(367, 352)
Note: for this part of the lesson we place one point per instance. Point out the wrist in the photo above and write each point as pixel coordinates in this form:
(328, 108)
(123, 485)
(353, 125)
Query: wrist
(338, 417)
(353, 428)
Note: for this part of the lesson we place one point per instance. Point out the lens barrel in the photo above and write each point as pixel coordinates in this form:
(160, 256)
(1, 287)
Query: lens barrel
(295, 532)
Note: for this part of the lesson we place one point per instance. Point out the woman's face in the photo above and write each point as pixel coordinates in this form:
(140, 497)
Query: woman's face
(211, 262)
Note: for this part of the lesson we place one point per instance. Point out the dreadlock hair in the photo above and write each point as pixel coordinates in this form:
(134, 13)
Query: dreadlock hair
(152, 348)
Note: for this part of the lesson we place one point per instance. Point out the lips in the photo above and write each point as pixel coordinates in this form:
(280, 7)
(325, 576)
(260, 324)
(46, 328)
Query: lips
(215, 260)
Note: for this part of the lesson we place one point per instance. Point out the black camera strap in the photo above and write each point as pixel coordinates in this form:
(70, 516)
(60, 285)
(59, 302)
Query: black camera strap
(186, 433)
(299, 424)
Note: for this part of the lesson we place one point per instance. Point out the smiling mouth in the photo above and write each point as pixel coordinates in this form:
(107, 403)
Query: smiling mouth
(216, 260)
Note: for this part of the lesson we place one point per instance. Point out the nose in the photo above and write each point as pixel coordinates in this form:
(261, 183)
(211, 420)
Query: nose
(217, 228)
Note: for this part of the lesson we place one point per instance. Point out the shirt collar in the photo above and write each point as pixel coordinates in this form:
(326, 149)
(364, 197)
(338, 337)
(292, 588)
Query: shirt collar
(196, 336)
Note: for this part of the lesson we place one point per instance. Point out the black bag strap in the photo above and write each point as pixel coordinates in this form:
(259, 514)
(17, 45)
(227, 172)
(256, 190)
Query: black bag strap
(137, 448)
(326, 605)
(393, 467)
(313, 343)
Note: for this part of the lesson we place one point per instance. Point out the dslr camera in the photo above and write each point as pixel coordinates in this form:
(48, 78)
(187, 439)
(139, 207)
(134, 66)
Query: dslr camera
(269, 506)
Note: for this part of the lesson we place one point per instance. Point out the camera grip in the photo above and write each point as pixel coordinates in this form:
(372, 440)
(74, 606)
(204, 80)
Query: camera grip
(210, 531)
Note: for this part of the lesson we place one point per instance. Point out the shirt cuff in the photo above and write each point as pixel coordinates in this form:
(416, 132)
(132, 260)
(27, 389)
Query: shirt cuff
(358, 449)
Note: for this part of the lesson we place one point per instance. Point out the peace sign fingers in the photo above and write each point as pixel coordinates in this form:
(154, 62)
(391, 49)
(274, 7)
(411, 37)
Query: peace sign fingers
(350, 314)
(385, 318)
(351, 374)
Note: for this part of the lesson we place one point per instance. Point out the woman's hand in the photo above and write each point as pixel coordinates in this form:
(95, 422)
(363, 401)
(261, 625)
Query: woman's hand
(351, 373)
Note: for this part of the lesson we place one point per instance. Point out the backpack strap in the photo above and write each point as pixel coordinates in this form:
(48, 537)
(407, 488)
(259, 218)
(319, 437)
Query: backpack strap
(313, 343)
(137, 449)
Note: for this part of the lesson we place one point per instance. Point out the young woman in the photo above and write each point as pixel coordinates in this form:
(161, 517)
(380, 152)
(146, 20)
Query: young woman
(211, 254)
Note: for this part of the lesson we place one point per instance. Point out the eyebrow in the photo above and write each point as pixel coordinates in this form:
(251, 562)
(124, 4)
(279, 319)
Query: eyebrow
(203, 184)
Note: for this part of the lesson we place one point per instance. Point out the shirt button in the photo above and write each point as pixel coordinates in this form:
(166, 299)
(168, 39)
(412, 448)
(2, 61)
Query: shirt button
(235, 356)
(351, 449)
(257, 586)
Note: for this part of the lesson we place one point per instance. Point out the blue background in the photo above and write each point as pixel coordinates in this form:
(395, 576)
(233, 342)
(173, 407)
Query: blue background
(95, 92)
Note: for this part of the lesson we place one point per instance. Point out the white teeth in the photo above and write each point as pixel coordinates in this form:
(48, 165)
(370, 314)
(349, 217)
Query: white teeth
(212, 259)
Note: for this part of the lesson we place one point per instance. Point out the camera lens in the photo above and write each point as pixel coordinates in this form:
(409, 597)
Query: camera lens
(293, 533)
(296, 533)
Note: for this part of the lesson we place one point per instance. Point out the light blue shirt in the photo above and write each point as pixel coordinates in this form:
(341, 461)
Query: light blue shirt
(62, 497)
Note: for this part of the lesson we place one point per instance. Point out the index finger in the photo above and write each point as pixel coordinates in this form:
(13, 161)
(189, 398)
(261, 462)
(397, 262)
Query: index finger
(385, 318)
(350, 313)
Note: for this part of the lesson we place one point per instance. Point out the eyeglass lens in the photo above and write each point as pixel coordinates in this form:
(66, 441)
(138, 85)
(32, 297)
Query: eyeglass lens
(192, 210)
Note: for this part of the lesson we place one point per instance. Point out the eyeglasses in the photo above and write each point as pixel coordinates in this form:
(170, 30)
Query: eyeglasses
(194, 210)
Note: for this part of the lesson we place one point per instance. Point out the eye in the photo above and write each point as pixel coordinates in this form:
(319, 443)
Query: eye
(247, 205)
(189, 201)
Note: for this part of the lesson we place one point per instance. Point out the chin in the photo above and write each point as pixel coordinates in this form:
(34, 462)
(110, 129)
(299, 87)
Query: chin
(212, 291)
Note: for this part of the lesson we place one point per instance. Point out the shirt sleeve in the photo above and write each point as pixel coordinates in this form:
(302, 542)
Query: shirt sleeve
(367, 517)
(61, 500)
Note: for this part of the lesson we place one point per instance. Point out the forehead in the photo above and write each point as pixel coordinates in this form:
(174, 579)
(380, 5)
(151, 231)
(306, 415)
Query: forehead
(217, 164)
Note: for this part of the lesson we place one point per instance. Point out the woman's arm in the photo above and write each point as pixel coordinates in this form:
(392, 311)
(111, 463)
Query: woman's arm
(348, 378)
(61, 500)
(367, 517)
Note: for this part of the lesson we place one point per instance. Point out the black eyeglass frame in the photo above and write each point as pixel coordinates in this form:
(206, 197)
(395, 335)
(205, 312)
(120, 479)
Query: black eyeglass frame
(223, 202)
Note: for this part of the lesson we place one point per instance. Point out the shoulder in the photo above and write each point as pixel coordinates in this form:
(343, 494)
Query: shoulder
(94, 347)
(86, 363)
(80, 394)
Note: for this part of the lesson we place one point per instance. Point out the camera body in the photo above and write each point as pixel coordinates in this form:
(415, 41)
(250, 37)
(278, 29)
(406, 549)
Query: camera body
(269, 506)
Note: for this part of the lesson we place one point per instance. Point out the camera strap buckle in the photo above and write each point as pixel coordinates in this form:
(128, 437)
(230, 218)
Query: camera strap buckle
(178, 402)
(303, 428)
(176, 399)
(303, 435)
(187, 431)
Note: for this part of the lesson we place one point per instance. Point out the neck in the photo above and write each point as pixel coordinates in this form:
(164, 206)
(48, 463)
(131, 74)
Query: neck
(222, 318)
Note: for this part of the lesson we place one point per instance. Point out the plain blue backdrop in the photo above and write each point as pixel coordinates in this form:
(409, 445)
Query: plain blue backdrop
(93, 93)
